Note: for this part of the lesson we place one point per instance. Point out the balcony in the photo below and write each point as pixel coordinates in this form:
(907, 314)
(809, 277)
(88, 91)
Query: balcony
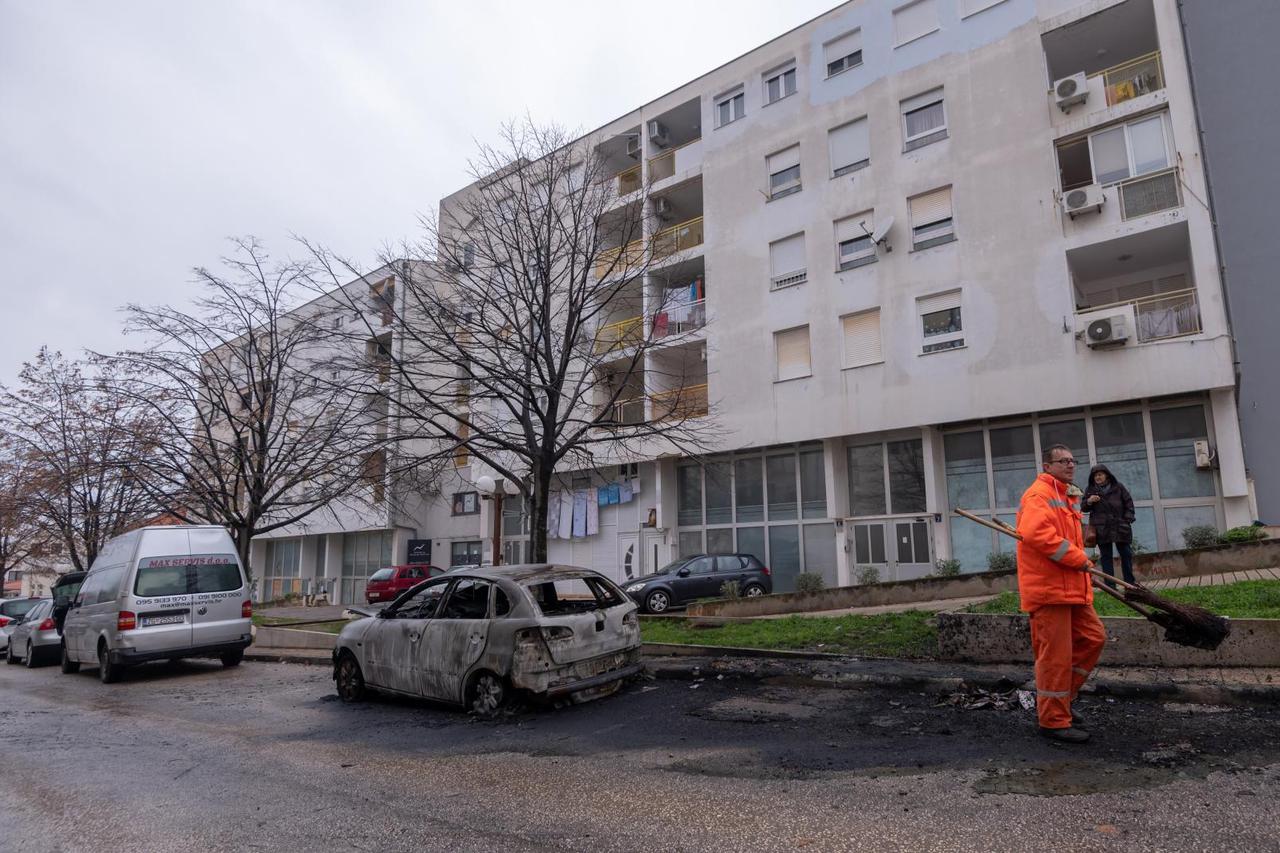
(1130, 79)
(1157, 318)
(1149, 194)
(675, 161)
(629, 180)
(620, 258)
(679, 319)
(689, 401)
(677, 238)
(619, 335)
(629, 412)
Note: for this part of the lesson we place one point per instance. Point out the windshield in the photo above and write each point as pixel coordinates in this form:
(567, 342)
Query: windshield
(381, 575)
(15, 609)
(672, 566)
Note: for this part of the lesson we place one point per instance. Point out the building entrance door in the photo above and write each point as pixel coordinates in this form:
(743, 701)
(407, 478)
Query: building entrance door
(652, 551)
(898, 548)
(628, 557)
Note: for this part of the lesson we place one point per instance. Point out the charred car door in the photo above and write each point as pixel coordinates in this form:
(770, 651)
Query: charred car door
(454, 640)
(393, 644)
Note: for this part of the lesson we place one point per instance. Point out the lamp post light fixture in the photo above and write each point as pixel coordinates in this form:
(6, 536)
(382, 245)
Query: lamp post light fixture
(496, 490)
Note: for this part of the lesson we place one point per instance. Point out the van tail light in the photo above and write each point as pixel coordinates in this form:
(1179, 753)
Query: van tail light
(766, 571)
(47, 625)
(246, 610)
(557, 632)
(126, 621)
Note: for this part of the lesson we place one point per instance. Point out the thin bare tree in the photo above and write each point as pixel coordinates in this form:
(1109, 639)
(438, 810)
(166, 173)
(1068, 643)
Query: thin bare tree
(530, 312)
(22, 536)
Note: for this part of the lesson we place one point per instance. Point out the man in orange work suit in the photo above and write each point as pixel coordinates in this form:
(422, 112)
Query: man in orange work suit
(1066, 634)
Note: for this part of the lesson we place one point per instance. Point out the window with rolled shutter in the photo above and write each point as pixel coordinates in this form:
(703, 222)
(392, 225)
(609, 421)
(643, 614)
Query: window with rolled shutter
(784, 172)
(854, 246)
(850, 147)
(792, 349)
(924, 119)
(843, 53)
(931, 219)
(940, 321)
(914, 20)
(787, 262)
(862, 338)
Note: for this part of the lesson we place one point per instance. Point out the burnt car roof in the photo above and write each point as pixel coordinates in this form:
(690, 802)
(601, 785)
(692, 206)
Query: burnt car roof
(526, 571)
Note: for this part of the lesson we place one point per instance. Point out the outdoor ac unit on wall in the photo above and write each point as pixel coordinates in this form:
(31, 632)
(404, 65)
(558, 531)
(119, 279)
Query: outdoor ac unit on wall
(633, 147)
(1083, 200)
(1070, 91)
(658, 133)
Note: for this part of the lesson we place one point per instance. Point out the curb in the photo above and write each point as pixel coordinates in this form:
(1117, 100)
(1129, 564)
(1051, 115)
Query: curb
(269, 655)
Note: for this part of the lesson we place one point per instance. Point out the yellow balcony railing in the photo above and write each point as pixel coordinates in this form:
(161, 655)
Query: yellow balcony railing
(689, 401)
(619, 259)
(1133, 78)
(678, 238)
(629, 180)
(625, 412)
(620, 335)
(662, 166)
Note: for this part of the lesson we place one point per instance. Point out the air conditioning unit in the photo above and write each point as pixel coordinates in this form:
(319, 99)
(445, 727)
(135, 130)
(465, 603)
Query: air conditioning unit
(1204, 454)
(1070, 91)
(1108, 331)
(658, 133)
(633, 147)
(1083, 200)
(662, 208)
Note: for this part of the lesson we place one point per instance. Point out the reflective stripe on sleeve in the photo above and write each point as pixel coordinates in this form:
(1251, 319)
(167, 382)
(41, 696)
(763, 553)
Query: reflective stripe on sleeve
(1057, 504)
(1062, 551)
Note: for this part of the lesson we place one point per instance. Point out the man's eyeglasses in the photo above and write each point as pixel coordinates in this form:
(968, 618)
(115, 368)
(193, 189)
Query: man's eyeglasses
(1063, 462)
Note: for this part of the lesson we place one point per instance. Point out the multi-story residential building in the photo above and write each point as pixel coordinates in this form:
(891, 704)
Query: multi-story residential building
(1226, 43)
(920, 242)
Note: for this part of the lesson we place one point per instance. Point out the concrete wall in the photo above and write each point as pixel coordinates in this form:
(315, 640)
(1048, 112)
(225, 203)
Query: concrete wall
(1229, 45)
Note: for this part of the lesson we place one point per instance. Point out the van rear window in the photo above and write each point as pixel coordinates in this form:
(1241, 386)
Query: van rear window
(382, 575)
(187, 574)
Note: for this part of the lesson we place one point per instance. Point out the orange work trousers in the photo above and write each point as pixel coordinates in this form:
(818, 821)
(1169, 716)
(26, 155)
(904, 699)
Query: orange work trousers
(1067, 640)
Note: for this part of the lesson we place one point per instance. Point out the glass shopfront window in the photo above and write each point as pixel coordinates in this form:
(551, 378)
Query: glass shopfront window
(1014, 464)
(1175, 432)
(866, 481)
(966, 469)
(780, 480)
(748, 489)
(1121, 442)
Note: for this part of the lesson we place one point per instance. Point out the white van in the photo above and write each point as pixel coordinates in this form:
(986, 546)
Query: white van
(159, 592)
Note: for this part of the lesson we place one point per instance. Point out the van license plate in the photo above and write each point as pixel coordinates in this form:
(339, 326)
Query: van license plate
(176, 619)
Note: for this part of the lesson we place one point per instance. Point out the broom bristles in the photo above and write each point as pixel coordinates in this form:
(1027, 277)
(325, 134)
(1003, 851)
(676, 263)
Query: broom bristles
(1184, 624)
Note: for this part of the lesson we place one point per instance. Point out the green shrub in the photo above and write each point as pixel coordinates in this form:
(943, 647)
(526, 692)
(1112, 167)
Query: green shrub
(867, 575)
(729, 590)
(1247, 533)
(1200, 535)
(809, 583)
(946, 568)
(1137, 547)
(1001, 561)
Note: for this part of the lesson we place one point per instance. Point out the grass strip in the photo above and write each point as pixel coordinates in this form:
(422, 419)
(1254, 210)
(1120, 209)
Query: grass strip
(1242, 600)
(911, 634)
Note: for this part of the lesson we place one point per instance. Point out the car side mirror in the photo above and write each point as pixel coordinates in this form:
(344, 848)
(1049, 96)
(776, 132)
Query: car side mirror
(386, 613)
(684, 573)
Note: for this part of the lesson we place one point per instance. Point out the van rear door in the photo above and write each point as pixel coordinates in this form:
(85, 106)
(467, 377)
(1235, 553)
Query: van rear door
(160, 604)
(218, 589)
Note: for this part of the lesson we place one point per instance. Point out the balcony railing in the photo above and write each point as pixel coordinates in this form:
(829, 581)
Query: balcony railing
(620, 258)
(664, 165)
(1133, 78)
(625, 412)
(1150, 194)
(620, 335)
(689, 401)
(677, 319)
(1165, 315)
(677, 238)
(630, 180)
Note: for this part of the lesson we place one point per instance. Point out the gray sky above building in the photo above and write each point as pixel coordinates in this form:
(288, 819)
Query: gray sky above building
(137, 135)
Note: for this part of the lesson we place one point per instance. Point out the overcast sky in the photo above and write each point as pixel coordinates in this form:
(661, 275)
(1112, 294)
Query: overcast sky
(137, 135)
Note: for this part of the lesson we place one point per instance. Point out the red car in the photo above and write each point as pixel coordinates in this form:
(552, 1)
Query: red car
(386, 584)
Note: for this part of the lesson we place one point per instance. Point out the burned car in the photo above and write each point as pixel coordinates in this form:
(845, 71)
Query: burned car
(474, 637)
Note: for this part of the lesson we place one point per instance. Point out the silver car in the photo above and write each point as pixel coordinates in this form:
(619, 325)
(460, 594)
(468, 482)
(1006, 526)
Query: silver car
(475, 636)
(11, 612)
(36, 640)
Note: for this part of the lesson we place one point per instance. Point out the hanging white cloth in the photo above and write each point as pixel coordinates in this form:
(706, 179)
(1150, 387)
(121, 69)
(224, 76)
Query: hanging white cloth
(593, 512)
(580, 514)
(553, 515)
(624, 492)
(566, 515)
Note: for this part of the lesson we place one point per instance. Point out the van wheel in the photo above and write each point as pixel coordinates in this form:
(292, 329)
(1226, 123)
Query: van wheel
(487, 695)
(349, 678)
(232, 658)
(69, 666)
(108, 672)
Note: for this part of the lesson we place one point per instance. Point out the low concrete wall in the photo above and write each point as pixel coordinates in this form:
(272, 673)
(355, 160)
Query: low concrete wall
(277, 637)
(999, 638)
(1217, 559)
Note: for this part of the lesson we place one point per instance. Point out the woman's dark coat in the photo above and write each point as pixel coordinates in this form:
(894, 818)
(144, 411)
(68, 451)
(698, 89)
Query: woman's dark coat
(1112, 517)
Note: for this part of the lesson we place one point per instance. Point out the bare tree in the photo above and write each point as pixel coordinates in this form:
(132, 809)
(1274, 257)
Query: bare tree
(529, 322)
(22, 536)
(73, 438)
(268, 414)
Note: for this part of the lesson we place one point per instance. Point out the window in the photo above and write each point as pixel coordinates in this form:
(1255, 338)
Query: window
(914, 20)
(786, 262)
(1128, 150)
(464, 554)
(843, 53)
(779, 83)
(973, 7)
(854, 246)
(730, 107)
(849, 146)
(931, 221)
(887, 478)
(469, 599)
(924, 120)
(792, 350)
(940, 321)
(784, 172)
(468, 503)
(862, 338)
(423, 603)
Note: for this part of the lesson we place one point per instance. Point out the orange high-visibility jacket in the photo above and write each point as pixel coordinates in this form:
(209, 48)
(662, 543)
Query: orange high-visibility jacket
(1051, 553)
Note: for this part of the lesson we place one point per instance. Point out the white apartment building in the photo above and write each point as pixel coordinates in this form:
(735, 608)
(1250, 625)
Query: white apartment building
(920, 242)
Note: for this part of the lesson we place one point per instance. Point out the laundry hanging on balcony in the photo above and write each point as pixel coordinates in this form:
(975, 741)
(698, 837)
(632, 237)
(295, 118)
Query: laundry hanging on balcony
(566, 515)
(580, 514)
(553, 515)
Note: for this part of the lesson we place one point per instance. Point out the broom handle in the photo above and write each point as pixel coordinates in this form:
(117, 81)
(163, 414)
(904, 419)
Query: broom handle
(1146, 614)
(1000, 528)
(1111, 579)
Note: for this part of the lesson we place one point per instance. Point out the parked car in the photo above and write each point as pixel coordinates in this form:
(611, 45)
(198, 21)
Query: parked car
(63, 593)
(475, 636)
(699, 576)
(387, 584)
(155, 593)
(11, 611)
(35, 640)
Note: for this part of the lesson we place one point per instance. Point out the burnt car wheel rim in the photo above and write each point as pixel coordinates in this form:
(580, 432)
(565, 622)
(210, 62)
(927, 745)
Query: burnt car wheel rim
(350, 682)
(488, 694)
(658, 602)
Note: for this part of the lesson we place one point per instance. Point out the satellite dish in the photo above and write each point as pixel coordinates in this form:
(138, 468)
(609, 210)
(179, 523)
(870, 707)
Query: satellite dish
(878, 234)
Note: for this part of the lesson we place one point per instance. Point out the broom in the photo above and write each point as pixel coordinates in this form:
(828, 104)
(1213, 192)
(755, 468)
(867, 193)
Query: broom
(1184, 624)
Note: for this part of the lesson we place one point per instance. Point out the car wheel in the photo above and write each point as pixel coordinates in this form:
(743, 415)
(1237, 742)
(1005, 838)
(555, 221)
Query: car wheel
(657, 601)
(108, 672)
(232, 658)
(488, 694)
(753, 590)
(30, 659)
(349, 678)
(9, 657)
(69, 666)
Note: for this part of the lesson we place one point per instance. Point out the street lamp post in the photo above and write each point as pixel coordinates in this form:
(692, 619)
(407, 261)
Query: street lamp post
(496, 490)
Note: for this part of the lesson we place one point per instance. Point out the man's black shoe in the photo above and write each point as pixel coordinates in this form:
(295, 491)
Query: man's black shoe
(1065, 735)
(1079, 721)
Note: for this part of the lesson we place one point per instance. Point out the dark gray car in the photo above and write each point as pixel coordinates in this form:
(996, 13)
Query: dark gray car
(699, 576)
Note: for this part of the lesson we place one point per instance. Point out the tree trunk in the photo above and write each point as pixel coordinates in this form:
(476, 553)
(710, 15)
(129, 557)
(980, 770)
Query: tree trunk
(244, 542)
(540, 479)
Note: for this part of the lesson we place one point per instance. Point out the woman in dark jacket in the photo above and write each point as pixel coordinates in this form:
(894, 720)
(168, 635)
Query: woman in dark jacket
(1110, 509)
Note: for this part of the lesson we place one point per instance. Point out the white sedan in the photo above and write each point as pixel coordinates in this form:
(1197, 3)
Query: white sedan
(474, 636)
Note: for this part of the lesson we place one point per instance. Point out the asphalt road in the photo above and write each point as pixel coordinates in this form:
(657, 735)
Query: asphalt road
(193, 757)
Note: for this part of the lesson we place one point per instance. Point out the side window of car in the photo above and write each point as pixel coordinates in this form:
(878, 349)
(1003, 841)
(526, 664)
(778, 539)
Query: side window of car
(702, 566)
(469, 600)
(89, 590)
(423, 603)
(501, 604)
(728, 564)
